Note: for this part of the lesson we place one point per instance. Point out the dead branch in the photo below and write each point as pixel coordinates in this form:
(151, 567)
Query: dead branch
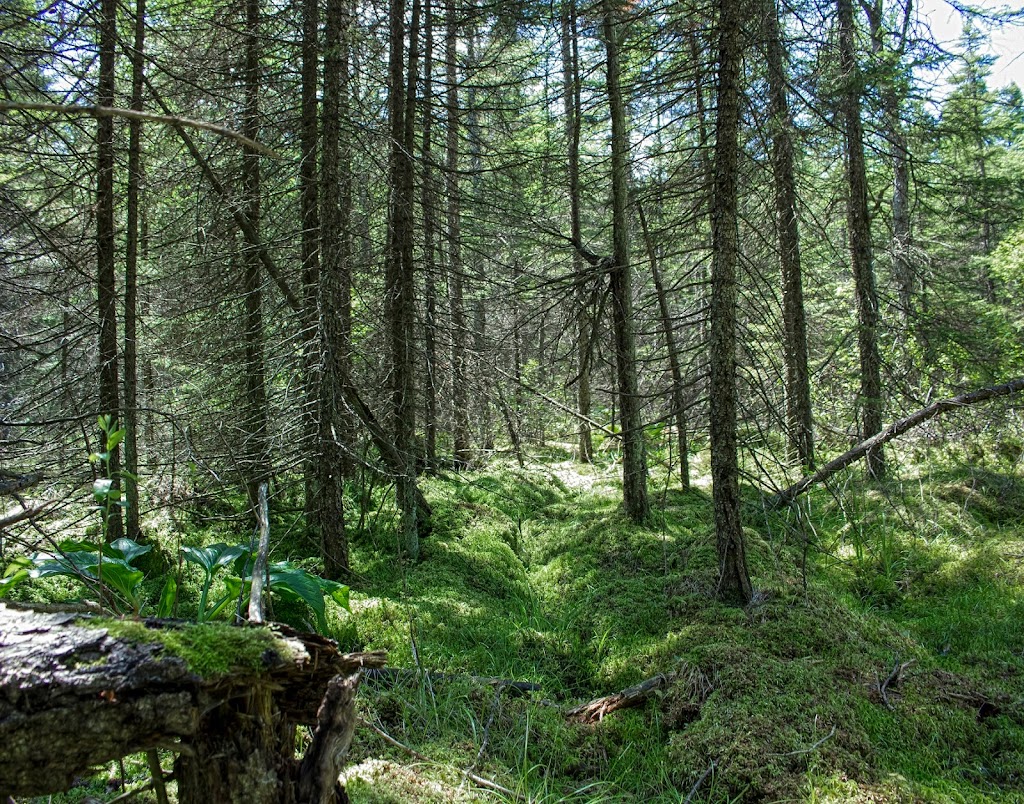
(631, 696)
(893, 681)
(131, 114)
(895, 429)
(28, 513)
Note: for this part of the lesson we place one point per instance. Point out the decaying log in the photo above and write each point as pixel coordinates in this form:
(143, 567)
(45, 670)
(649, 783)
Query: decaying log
(77, 691)
(895, 429)
(595, 710)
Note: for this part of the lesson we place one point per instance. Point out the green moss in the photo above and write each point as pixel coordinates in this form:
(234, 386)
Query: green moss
(209, 649)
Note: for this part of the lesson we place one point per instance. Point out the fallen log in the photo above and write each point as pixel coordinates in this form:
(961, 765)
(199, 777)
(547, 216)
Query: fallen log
(895, 429)
(77, 691)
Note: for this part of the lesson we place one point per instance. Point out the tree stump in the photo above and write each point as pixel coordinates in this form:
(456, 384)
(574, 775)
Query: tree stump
(77, 691)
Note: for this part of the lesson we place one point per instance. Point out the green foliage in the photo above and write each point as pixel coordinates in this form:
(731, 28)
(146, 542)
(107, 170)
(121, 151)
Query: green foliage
(105, 569)
(543, 580)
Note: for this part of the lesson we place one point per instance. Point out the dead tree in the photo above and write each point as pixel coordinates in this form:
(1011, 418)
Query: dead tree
(895, 429)
(77, 691)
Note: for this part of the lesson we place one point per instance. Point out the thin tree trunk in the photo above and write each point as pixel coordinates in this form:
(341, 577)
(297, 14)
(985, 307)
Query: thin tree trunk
(309, 201)
(462, 450)
(859, 226)
(798, 386)
(482, 392)
(634, 459)
(334, 306)
(678, 392)
(428, 201)
(584, 324)
(257, 455)
(734, 579)
(893, 99)
(400, 290)
(131, 272)
(106, 280)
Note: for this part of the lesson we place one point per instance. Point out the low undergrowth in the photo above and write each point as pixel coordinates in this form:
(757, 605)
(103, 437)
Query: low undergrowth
(882, 659)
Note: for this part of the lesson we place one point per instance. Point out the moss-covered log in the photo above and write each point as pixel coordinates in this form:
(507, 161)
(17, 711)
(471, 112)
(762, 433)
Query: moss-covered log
(77, 691)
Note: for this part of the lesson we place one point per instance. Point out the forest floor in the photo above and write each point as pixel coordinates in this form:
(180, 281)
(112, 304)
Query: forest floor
(881, 661)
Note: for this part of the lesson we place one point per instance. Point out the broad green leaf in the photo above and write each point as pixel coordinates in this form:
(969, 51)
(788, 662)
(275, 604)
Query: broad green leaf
(210, 557)
(121, 577)
(231, 554)
(237, 589)
(101, 488)
(16, 572)
(9, 581)
(168, 597)
(338, 592)
(115, 438)
(298, 585)
(130, 549)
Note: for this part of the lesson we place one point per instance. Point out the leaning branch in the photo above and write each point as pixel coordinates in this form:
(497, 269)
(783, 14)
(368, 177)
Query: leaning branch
(250, 232)
(555, 403)
(895, 429)
(131, 114)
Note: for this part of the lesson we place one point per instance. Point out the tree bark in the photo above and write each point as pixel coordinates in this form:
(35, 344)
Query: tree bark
(233, 729)
(571, 102)
(678, 394)
(257, 456)
(106, 278)
(463, 455)
(429, 200)
(309, 202)
(634, 458)
(734, 579)
(799, 423)
(400, 288)
(859, 226)
(334, 306)
(131, 273)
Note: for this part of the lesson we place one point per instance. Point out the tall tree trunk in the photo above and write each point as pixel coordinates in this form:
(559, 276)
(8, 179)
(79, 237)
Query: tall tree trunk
(859, 226)
(131, 272)
(678, 394)
(481, 373)
(309, 189)
(257, 455)
(399, 278)
(584, 323)
(798, 386)
(429, 216)
(334, 299)
(734, 578)
(106, 280)
(634, 459)
(462, 450)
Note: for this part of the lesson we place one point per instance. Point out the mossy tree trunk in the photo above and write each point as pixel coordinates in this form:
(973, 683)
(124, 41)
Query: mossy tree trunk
(734, 579)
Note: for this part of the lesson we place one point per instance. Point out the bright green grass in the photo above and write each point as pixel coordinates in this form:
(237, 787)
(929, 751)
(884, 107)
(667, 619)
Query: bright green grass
(542, 579)
(535, 575)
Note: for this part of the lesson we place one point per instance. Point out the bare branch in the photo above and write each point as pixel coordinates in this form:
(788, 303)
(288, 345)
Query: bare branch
(131, 114)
